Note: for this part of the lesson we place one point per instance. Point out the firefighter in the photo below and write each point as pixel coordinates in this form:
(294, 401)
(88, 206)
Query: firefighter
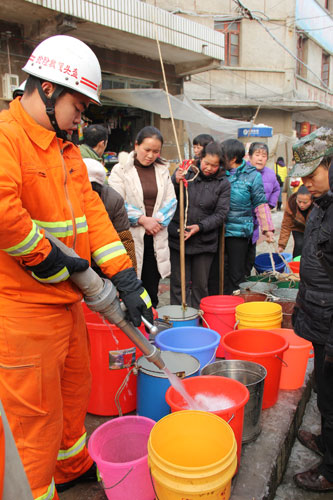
(44, 349)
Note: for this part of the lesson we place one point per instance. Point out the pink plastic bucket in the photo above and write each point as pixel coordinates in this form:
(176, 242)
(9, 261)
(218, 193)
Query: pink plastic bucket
(219, 313)
(119, 448)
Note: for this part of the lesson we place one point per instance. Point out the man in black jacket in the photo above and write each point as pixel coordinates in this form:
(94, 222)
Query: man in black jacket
(313, 313)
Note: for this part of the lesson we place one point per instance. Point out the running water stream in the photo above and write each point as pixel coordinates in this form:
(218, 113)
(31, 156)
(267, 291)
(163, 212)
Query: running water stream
(179, 387)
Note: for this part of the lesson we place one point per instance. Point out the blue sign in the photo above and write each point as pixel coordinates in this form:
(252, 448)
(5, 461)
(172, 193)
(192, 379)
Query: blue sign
(255, 132)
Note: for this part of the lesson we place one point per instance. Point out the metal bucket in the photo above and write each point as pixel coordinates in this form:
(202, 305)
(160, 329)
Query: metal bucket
(257, 287)
(286, 297)
(252, 375)
(177, 316)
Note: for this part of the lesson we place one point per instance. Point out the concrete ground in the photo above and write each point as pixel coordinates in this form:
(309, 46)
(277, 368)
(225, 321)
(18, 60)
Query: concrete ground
(264, 473)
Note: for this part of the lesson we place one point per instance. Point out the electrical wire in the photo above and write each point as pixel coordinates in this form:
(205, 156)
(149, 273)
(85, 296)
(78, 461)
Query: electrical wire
(248, 13)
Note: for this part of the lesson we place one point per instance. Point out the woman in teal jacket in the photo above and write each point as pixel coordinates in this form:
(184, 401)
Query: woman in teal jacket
(247, 194)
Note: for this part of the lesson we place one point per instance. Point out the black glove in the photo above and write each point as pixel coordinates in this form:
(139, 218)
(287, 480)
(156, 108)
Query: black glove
(134, 296)
(57, 266)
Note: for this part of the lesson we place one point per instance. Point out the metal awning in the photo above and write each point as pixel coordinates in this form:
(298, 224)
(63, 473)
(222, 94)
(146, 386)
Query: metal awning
(127, 25)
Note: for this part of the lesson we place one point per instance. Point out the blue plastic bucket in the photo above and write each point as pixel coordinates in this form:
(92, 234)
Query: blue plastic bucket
(288, 257)
(202, 343)
(176, 316)
(263, 263)
(153, 382)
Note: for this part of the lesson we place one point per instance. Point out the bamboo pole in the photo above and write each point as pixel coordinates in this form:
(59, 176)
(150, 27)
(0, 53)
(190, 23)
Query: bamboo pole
(221, 259)
(181, 186)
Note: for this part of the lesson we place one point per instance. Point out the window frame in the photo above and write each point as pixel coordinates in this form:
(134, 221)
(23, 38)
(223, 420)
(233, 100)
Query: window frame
(325, 74)
(227, 40)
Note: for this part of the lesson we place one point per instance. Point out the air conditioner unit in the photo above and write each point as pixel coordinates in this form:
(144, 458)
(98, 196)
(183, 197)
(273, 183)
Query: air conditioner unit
(9, 84)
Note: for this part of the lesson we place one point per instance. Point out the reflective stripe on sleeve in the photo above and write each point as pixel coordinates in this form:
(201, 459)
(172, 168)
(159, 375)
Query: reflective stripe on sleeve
(27, 245)
(146, 299)
(108, 252)
(74, 450)
(49, 494)
(81, 224)
(62, 275)
(62, 229)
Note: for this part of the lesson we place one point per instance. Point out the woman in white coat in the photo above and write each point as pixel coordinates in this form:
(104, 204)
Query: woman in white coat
(142, 178)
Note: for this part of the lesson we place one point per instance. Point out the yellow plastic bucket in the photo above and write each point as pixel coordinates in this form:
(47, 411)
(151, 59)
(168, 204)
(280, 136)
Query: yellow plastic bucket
(192, 455)
(260, 315)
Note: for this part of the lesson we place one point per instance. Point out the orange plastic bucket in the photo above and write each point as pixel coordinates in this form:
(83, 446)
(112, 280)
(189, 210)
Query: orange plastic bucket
(113, 355)
(294, 267)
(212, 386)
(296, 359)
(219, 315)
(263, 347)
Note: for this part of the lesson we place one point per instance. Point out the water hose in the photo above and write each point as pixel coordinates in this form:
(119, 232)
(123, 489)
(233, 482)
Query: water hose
(100, 295)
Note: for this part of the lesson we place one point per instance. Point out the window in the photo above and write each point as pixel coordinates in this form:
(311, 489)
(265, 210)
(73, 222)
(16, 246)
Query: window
(120, 82)
(231, 32)
(302, 55)
(325, 68)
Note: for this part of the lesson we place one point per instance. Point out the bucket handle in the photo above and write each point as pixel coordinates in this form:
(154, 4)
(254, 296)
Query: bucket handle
(201, 313)
(120, 481)
(152, 483)
(282, 360)
(232, 416)
(236, 324)
(311, 353)
(211, 359)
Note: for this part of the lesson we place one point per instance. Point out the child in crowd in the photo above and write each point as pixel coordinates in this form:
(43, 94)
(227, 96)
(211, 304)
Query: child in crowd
(313, 313)
(258, 156)
(199, 142)
(281, 174)
(208, 206)
(247, 195)
(295, 216)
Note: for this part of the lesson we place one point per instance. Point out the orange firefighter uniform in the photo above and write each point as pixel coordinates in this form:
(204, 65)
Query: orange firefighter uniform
(2, 456)
(44, 348)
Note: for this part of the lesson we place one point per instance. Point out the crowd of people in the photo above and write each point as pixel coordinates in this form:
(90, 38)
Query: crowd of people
(129, 226)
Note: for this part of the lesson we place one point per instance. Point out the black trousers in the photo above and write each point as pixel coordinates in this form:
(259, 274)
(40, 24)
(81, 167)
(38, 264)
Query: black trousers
(298, 243)
(196, 274)
(250, 258)
(324, 382)
(150, 276)
(236, 254)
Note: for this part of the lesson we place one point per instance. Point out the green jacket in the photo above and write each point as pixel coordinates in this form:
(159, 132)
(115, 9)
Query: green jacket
(88, 152)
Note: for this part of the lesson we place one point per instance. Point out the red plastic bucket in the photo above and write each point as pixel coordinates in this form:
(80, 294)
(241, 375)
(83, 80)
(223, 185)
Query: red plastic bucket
(110, 370)
(213, 386)
(219, 313)
(263, 347)
(294, 267)
(296, 359)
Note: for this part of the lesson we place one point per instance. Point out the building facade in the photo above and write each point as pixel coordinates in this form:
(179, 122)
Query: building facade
(124, 35)
(277, 63)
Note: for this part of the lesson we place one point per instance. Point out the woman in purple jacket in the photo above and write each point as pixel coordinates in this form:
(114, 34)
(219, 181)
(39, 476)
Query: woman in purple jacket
(258, 156)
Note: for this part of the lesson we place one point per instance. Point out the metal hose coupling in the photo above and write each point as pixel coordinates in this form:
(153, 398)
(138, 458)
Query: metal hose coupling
(108, 305)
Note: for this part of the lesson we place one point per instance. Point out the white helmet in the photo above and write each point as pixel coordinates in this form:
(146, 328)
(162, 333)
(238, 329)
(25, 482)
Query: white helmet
(67, 61)
(19, 91)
